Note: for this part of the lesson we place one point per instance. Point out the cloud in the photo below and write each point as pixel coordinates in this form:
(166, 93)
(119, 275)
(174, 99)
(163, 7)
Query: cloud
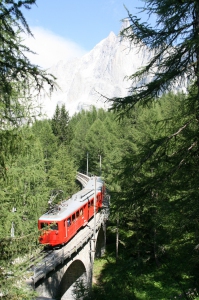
(50, 48)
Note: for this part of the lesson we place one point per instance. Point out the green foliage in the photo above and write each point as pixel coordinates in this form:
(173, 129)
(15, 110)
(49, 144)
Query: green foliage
(60, 126)
(96, 144)
(158, 189)
(78, 143)
(158, 204)
(49, 142)
(149, 161)
(97, 133)
(23, 195)
(150, 165)
(23, 188)
(63, 173)
(20, 79)
(130, 278)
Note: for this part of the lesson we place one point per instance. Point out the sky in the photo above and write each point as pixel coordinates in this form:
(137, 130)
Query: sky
(65, 29)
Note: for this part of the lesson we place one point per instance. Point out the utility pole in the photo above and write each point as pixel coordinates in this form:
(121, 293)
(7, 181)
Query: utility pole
(117, 237)
(100, 164)
(94, 229)
(94, 216)
(12, 233)
(87, 165)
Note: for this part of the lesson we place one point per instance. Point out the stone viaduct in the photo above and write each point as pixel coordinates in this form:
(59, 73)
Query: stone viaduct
(66, 271)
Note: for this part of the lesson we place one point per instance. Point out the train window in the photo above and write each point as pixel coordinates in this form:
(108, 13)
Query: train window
(92, 203)
(44, 225)
(77, 214)
(68, 222)
(54, 226)
(81, 212)
(73, 218)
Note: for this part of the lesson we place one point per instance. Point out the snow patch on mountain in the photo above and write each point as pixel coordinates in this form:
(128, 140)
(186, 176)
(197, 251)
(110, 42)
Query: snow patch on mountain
(102, 71)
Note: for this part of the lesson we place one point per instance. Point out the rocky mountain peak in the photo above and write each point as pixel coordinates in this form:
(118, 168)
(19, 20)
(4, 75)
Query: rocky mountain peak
(99, 72)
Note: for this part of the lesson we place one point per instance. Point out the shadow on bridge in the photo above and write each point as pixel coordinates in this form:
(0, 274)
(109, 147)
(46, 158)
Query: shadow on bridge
(75, 274)
(62, 282)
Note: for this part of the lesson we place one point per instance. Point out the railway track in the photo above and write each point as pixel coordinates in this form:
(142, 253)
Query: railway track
(82, 178)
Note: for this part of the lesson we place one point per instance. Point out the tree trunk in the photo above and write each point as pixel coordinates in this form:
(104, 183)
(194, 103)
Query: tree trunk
(155, 248)
(117, 237)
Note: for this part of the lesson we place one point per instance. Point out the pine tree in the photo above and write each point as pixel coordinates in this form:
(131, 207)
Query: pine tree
(61, 176)
(80, 126)
(43, 130)
(55, 121)
(60, 122)
(21, 163)
(16, 71)
(174, 45)
(19, 78)
(172, 153)
(64, 128)
(24, 198)
(158, 180)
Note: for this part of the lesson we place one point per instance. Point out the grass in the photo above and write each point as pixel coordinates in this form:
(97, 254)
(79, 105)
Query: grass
(128, 279)
(98, 267)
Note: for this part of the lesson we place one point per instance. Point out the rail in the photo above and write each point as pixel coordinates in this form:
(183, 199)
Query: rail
(82, 178)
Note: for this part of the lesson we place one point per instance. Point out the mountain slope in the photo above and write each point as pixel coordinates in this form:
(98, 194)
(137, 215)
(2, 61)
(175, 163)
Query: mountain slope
(102, 71)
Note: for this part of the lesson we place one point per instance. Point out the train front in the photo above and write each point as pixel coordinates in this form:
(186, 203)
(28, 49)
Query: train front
(49, 232)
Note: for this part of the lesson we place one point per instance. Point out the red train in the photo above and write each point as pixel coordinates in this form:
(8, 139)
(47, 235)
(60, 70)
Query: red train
(60, 224)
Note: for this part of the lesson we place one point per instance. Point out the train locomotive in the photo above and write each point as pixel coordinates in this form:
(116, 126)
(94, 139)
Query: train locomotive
(61, 223)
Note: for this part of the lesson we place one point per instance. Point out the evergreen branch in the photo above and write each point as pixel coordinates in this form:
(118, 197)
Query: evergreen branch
(179, 130)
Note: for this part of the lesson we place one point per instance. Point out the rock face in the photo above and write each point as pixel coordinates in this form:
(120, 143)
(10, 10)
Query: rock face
(102, 71)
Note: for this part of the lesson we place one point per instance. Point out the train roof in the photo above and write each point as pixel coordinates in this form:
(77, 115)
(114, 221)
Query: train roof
(68, 207)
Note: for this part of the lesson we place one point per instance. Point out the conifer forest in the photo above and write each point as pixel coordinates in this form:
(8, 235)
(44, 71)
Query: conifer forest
(148, 143)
